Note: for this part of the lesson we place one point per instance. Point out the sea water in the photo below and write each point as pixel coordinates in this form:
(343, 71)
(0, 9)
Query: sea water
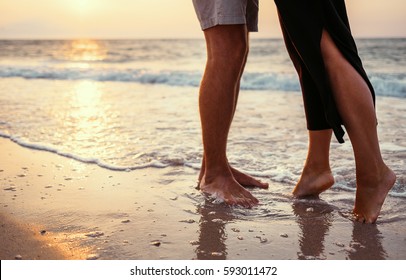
(132, 104)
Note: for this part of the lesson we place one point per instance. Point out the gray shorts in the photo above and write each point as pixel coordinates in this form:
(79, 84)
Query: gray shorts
(223, 12)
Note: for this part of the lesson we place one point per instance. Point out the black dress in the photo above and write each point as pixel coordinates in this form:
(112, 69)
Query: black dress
(303, 22)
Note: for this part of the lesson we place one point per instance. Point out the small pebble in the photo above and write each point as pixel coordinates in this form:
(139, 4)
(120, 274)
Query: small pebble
(93, 257)
(310, 209)
(194, 242)
(284, 235)
(350, 250)
(217, 220)
(125, 221)
(339, 244)
(95, 234)
(190, 221)
(240, 238)
(262, 239)
(217, 254)
(235, 229)
(18, 257)
(156, 243)
(43, 232)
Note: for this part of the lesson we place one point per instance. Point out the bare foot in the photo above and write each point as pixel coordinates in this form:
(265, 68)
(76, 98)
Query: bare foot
(227, 189)
(371, 196)
(313, 182)
(243, 179)
(247, 181)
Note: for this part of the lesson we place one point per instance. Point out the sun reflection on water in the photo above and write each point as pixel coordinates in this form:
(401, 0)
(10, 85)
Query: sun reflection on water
(85, 50)
(87, 114)
(86, 117)
(86, 99)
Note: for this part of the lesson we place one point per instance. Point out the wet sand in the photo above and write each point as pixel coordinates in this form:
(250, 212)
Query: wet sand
(52, 207)
(28, 240)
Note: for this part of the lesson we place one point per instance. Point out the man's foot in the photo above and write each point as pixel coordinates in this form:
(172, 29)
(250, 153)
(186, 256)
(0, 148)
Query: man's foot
(313, 182)
(227, 189)
(243, 179)
(246, 180)
(371, 196)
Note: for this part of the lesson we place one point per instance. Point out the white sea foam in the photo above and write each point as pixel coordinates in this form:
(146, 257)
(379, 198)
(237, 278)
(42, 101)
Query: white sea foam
(97, 161)
(384, 85)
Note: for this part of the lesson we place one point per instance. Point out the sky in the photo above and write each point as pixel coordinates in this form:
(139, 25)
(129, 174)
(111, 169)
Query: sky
(58, 19)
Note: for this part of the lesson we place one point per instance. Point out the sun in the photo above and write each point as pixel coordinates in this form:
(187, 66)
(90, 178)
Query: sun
(83, 7)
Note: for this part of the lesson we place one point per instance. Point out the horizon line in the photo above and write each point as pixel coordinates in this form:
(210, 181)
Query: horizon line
(161, 38)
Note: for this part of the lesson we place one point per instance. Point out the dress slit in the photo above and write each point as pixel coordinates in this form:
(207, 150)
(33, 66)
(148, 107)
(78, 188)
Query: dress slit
(302, 23)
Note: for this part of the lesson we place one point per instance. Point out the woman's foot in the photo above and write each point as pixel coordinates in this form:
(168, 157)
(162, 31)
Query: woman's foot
(313, 182)
(371, 194)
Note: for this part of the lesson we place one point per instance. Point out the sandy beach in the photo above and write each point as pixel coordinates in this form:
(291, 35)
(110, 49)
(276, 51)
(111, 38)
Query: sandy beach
(54, 207)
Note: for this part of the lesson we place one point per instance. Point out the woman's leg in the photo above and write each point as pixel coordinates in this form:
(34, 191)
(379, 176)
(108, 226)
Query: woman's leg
(355, 105)
(316, 175)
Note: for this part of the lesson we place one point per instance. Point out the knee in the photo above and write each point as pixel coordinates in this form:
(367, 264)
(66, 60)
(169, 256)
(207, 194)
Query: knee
(228, 46)
(238, 53)
(230, 53)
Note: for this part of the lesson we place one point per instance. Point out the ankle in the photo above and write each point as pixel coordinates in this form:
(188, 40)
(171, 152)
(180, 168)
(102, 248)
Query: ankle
(316, 168)
(214, 173)
(372, 177)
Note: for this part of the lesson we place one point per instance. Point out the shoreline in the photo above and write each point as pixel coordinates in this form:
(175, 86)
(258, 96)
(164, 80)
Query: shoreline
(89, 212)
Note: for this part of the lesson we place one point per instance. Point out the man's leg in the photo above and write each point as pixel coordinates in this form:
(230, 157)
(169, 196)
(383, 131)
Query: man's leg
(355, 105)
(243, 179)
(227, 47)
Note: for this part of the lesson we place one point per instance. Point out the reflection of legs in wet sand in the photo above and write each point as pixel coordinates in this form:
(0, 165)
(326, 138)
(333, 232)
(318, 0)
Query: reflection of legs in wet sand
(212, 236)
(366, 243)
(314, 226)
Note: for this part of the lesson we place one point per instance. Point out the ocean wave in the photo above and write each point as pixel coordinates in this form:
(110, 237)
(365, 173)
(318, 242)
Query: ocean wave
(280, 175)
(173, 78)
(389, 85)
(97, 161)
